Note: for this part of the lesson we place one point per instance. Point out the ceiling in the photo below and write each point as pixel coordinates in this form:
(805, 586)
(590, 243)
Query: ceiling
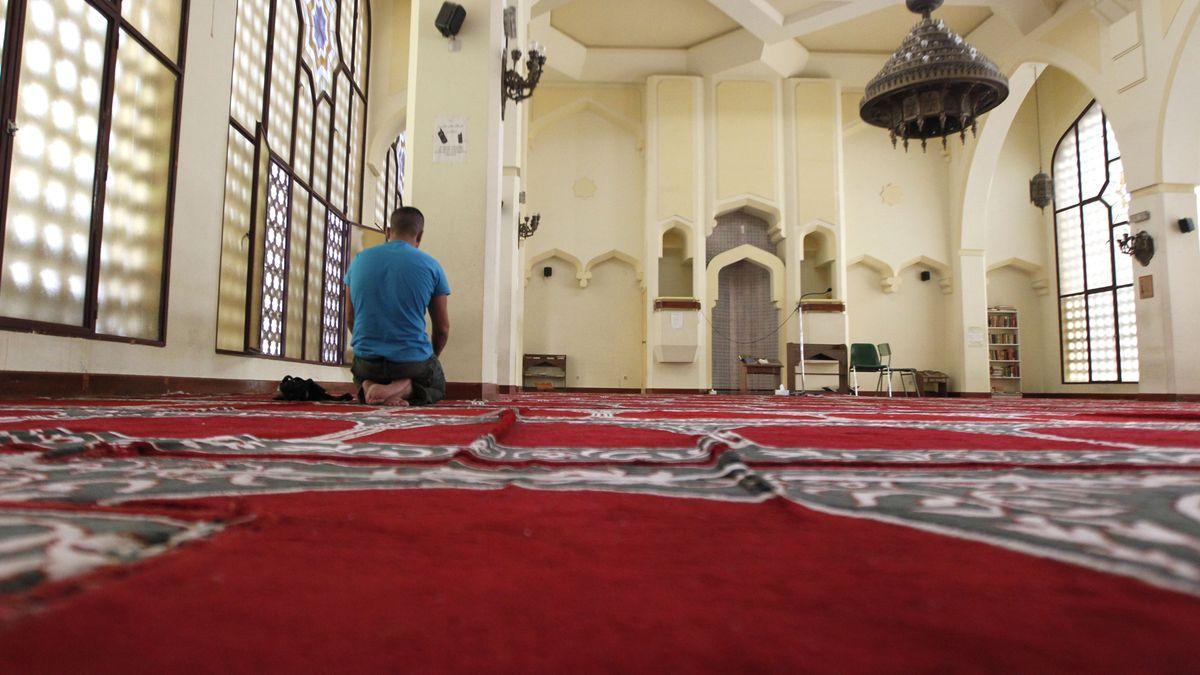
(788, 7)
(881, 32)
(751, 38)
(652, 24)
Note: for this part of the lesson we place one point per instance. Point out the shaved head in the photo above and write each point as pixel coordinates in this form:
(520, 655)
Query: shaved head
(407, 222)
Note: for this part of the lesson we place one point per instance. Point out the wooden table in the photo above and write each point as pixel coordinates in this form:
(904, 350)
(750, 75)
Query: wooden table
(819, 352)
(745, 370)
(940, 381)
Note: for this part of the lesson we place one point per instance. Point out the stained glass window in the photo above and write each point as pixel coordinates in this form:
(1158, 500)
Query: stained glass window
(294, 178)
(1097, 309)
(87, 201)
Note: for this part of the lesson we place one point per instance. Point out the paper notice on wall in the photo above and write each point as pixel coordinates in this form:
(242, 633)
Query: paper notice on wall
(677, 320)
(976, 337)
(450, 141)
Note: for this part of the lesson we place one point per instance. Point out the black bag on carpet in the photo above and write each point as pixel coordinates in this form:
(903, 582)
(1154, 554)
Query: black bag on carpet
(296, 389)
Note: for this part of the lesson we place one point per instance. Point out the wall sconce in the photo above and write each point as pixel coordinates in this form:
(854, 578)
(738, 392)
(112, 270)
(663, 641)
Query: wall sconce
(528, 226)
(517, 88)
(1140, 246)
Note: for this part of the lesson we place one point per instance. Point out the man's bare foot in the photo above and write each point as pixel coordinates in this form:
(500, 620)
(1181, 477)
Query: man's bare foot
(396, 393)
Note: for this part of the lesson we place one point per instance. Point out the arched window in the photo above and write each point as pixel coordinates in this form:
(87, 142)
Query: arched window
(89, 96)
(293, 182)
(1095, 280)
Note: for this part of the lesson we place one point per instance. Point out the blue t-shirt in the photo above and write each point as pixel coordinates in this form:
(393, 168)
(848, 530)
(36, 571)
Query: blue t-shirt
(391, 287)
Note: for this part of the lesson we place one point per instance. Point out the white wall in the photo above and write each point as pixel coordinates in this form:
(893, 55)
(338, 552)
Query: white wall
(1017, 228)
(1040, 369)
(586, 177)
(912, 320)
(584, 152)
(596, 327)
(918, 223)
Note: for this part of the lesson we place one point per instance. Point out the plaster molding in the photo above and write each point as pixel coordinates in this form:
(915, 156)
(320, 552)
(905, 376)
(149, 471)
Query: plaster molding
(755, 205)
(945, 277)
(580, 270)
(818, 225)
(889, 280)
(1037, 273)
(1111, 11)
(560, 114)
(619, 256)
(1179, 122)
(754, 255)
(685, 226)
(1164, 189)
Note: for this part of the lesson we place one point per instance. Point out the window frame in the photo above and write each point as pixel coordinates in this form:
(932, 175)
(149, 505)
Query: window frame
(265, 156)
(12, 48)
(1080, 205)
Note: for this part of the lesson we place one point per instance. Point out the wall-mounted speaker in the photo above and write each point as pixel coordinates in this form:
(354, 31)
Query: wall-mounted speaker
(1187, 225)
(926, 275)
(547, 272)
(450, 19)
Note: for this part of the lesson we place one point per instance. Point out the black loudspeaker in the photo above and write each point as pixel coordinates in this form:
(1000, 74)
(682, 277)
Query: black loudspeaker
(547, 272)
(450, 19)
(1187, 225)
(926, 275)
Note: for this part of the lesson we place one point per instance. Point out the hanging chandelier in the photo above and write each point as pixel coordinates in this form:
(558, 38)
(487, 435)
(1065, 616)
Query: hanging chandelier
(935, 85)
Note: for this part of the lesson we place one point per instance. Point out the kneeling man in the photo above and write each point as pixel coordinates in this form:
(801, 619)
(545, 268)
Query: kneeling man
(391, 287)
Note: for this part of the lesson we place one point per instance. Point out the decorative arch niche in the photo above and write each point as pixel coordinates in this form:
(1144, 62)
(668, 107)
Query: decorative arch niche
(675, 268)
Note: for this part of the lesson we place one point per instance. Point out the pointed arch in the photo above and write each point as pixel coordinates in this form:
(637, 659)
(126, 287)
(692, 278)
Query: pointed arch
(889, 282)
(536, 127)
(759, 207)
(685, 227)
(1036, 272)
(1179, 130)
(614, 254)
(824, 227)
(752, 254)
(826, 230)
(941, 269)
(561, 255)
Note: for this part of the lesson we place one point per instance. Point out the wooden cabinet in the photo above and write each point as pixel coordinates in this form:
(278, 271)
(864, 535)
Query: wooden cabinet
(544, 371)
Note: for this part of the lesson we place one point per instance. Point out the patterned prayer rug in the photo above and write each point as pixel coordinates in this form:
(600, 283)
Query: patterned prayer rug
(890, 534)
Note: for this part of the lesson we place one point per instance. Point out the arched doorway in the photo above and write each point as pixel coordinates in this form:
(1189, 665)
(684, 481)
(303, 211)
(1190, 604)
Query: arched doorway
(745, 275)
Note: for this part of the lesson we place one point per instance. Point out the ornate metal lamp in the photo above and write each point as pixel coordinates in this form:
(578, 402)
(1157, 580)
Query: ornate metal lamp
(528, 226)
(1140, 246)
(519, 87)
(935, 85)
(1041, 186)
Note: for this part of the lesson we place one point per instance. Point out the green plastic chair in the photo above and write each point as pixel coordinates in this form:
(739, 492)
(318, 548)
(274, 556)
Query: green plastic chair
(885, 354)
(864, 358)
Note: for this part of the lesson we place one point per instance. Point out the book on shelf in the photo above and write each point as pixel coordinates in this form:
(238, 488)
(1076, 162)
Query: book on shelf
(1006, 371)
(1004, 354)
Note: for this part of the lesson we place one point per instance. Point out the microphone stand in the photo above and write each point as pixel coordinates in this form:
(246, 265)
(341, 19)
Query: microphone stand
(800, 313)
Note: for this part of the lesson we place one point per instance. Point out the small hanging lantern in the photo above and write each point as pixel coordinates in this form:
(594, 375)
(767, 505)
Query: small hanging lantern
(1041, 186)
(935, 85)
(1041, 190)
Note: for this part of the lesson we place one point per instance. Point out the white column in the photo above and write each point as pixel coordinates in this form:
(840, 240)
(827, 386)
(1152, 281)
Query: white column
(1169, 322)
(461, 200)
(509, 357)
(969, 324)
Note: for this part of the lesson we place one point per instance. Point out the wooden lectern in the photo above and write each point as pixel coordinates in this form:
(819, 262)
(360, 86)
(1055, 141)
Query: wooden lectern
(819, 352)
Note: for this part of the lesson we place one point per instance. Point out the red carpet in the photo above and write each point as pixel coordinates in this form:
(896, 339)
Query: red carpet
(594, 533)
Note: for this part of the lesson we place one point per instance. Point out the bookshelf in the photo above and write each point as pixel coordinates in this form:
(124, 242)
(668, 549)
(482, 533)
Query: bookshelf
(1004, 350)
